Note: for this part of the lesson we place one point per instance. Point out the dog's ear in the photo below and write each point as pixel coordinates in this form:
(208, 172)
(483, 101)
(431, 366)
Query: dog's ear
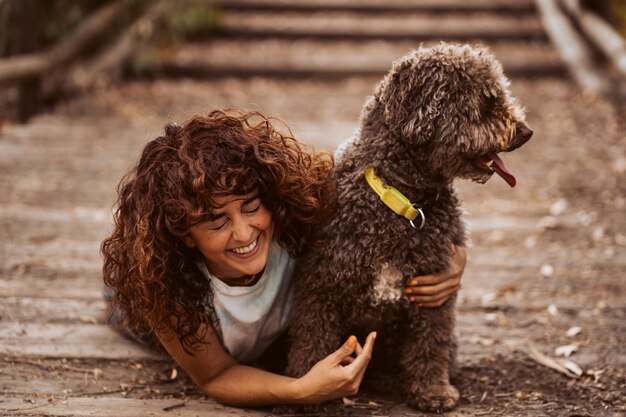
(439, 92)
(412, 94)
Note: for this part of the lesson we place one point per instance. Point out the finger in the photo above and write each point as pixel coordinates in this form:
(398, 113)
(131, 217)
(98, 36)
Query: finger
(460, 258)
(366, 356)
(434, 301)
(428, 298)
(358, 349)
(428, 279)
(453, 272)
(345, 350)
(433, 289)
(361, 361)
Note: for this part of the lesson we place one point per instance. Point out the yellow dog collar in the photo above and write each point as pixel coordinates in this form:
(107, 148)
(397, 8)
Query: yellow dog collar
(394, 199)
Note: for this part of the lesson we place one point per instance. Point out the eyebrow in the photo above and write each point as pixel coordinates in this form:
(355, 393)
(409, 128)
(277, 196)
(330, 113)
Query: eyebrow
(213, 217)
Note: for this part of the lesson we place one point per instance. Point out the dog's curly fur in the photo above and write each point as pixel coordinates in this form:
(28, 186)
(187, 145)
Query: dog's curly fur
(433, 118)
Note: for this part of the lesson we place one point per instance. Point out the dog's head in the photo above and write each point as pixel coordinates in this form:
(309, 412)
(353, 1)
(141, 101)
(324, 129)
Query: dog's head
(451, 102)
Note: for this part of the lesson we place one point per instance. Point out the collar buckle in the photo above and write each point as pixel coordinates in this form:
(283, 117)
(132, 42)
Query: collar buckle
(423, 221)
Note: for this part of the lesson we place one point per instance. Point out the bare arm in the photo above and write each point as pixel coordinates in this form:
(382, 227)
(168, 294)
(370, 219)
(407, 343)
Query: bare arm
(222, 378)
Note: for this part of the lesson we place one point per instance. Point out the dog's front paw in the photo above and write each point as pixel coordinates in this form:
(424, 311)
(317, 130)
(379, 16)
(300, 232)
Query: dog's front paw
(435, 398)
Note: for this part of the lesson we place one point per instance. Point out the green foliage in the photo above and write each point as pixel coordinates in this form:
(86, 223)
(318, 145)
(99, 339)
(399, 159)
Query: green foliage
(183, 20)
(190, 19)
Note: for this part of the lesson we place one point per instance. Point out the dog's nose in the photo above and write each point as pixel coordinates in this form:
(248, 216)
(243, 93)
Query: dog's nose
(522, 135)
(525, 132)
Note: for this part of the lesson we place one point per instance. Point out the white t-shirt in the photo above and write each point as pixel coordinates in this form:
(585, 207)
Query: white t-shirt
(251, 318)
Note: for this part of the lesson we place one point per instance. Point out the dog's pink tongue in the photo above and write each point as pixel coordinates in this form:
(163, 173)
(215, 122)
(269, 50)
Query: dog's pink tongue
(499, 167)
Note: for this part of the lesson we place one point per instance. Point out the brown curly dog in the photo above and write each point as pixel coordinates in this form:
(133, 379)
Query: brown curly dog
(441, 113)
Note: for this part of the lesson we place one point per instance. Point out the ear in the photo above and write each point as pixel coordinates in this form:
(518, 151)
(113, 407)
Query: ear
(411, 96)
(189, 241)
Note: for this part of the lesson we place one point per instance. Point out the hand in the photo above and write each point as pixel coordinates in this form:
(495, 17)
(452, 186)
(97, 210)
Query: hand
(434, 290)
(339, 374)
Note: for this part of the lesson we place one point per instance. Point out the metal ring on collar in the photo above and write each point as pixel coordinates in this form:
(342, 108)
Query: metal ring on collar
(423, 219)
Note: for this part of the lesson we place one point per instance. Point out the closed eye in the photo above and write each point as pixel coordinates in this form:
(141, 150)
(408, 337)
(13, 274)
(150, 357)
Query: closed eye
(252, 209)
(217, 227)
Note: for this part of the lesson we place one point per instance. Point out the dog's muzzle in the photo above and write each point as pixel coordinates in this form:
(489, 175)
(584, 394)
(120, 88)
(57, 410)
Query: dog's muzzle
(522, 135)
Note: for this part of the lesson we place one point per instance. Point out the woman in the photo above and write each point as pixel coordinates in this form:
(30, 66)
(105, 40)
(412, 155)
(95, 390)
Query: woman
(207, 229)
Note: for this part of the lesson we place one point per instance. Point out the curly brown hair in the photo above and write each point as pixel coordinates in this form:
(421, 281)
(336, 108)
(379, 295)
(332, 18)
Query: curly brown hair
(154, 275)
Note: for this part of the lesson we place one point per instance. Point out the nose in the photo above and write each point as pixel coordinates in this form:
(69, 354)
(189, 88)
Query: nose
(242, 230)
(522, 135)
(525, 133)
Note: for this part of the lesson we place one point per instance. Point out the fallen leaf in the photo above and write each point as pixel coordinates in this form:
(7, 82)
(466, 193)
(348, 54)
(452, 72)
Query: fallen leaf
(487, 298)
(571, 366)
(584, 218)
(573, 331)
(548, 222)
(597, 234)
(491, 317)
(558, 207)
(547, 270)
(88, 319)
(552, 310)
(565, 350)
(530, 242)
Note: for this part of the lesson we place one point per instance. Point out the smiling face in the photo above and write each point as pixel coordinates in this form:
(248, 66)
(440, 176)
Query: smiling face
(235, 238)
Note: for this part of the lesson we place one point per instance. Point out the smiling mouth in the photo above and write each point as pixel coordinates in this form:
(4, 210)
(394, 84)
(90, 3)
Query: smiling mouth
(492, 162)
(246, 250)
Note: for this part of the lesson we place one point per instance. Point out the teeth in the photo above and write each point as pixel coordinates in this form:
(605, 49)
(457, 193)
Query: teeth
(247, 249)
(490, 163)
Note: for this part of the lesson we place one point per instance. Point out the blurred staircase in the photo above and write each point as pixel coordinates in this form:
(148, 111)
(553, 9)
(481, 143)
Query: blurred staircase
(343, 38)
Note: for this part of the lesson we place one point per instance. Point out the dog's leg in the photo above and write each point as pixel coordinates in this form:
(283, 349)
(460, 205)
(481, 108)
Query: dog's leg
(312, 339)
(315, 333)
(427, 355)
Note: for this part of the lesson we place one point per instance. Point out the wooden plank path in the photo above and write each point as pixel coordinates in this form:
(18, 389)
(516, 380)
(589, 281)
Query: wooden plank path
(545, 256)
